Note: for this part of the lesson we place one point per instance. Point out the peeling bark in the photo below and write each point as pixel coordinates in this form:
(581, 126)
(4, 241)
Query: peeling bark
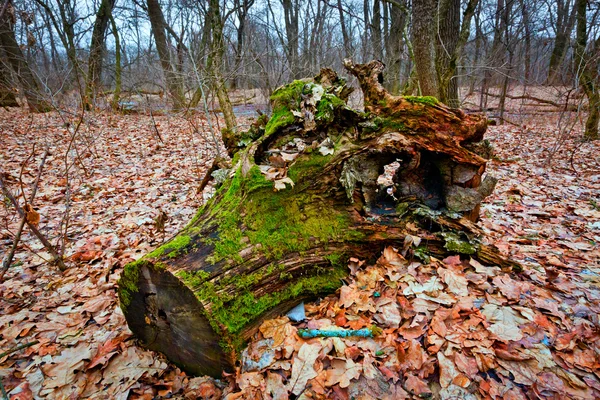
(300, 197)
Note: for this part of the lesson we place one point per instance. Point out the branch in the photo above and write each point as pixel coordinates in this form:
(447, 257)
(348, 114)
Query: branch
(19, 347)
(13, 249)
(57, 259)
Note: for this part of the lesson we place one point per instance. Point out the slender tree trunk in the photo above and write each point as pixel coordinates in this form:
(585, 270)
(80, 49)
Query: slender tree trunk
(93, 82)
(423, 37)
(586, 66)
(290, 11)
(215, 65)
(527, 41)
(345, 36)
(174, 82)
(495, 55)
(508, 68)
(376, 30)
(117, 92)
(565, 20)
(32, 88)
(398, 17)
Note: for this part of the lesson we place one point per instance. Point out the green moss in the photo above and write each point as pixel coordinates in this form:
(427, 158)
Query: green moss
(246, 307)
(455, 244)
(326, 107)
(171, 249)
(307, 166)
(284, 100)
(128, 283)
(427, 100)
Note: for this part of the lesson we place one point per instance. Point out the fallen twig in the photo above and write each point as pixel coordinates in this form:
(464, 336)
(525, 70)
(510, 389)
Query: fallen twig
(19, 347)
(13, 249)
(57, 259)
(365, 332)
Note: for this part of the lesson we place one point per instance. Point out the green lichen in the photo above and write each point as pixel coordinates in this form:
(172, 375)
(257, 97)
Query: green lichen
(454, 243)
(426, 100)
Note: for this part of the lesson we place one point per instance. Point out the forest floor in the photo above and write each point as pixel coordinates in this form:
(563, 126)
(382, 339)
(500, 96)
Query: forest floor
(451, 328)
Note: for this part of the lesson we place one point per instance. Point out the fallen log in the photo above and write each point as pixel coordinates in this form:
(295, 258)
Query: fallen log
(304, 193)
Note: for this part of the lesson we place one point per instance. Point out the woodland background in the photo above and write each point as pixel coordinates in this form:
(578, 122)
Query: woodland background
(126, 104)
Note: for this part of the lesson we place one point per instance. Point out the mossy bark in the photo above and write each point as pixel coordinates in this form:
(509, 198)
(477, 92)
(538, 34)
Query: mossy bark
(300, 197)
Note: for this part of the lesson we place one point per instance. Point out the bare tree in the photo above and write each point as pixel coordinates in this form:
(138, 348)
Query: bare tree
(93, 82)
(586, 64)
(173, 80)
(31, 86)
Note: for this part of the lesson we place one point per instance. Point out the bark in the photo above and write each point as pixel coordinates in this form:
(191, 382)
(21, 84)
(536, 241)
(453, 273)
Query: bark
(268, 240)
(173, 80)
(345, 35)
(394, 44)
(215, 64)
(376, 30)
(32, 88)
(586, 65)
(565, 20)
(291, 10)
(118, 79)
(93, 82)
(423, 19)
(451, 40)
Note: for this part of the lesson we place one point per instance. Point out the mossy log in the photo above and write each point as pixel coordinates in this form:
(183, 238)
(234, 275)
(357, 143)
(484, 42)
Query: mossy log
(304, 192)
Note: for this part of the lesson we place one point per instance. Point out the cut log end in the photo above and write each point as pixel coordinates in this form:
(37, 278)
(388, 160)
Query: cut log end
(316, 184)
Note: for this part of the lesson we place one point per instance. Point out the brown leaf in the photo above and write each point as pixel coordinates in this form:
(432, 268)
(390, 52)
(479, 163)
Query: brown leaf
(32, 216)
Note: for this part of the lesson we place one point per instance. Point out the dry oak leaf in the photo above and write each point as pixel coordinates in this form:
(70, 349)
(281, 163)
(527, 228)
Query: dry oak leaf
(63, 368)
(457, 283)
(416, 386)
(342, 372)
(277, 329)
(433, 285)
(303, 367)
(504, 322)
(275, 388)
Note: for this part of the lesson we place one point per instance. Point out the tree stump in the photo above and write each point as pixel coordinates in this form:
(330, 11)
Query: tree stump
(304, 192)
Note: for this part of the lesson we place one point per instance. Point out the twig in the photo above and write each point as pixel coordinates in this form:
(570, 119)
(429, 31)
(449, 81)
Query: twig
(13, 249)
(4, 394)
(153, 121)
(19, 347)
(57, 259)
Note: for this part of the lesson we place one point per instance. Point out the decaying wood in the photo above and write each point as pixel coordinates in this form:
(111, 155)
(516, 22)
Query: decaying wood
(305, 192)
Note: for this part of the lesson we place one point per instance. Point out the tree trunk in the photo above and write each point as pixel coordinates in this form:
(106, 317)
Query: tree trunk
(118, 74)
(28, 80)
(301, 198)
(215, 64)
(446, 42)
(423, 19)
(96, 49)
(174, 82)
(565, 20)
(586, 65)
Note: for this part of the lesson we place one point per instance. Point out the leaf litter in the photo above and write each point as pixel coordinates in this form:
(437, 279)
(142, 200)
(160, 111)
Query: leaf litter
(451, 328)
